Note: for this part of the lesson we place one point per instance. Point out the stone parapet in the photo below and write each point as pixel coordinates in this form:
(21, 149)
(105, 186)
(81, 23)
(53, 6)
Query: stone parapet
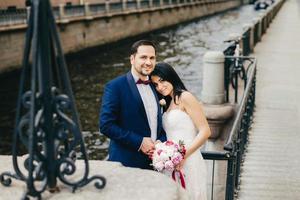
(122, 183)
(217, 117)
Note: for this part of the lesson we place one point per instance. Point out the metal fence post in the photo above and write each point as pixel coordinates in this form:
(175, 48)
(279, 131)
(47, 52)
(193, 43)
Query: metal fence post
(229, 195)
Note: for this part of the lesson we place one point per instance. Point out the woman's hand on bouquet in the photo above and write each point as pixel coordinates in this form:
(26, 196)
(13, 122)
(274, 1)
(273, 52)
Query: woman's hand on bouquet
(180, 165)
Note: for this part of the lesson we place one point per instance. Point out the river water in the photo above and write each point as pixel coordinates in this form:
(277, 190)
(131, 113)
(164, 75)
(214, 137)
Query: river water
(182, 46)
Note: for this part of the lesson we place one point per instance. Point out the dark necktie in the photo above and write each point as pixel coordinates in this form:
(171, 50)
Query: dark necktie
(140, 81)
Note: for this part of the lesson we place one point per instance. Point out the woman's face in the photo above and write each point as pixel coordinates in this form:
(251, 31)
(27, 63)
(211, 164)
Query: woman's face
(163, 87)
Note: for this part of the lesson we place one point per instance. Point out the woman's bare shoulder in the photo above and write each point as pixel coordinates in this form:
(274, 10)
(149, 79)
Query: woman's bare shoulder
(187, 96)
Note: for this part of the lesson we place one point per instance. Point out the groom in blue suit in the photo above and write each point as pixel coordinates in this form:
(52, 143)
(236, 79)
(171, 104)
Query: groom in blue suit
(130, 115)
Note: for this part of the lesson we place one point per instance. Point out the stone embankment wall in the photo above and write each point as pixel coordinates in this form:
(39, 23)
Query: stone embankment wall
(78, 33)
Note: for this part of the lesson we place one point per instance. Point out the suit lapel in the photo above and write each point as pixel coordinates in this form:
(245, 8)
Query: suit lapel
(136, 95)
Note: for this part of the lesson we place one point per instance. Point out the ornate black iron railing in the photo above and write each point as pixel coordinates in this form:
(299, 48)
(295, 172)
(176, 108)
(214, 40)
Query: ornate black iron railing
(47, 123)
(237, 140)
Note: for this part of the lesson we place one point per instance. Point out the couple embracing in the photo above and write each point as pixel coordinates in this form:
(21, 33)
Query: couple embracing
(132, 117)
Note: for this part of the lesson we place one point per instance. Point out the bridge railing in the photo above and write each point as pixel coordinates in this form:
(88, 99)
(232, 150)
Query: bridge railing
(96, 9)
(156, 3)
(236, 142)
(13, 16)
(115, 7)
(19, 16)
(145, 4)
(167, 2)
(74, 11)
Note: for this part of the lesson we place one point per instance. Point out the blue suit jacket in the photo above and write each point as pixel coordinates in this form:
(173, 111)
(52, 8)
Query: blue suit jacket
(123, 119)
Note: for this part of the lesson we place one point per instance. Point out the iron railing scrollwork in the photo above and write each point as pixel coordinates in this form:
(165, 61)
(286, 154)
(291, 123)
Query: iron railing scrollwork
(47, 122)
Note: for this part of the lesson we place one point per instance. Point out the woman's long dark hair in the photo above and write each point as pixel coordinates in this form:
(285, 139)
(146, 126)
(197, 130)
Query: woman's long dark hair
(167, 73)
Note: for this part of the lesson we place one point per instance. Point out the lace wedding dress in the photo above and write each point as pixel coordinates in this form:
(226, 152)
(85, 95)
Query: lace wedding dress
(179, 126)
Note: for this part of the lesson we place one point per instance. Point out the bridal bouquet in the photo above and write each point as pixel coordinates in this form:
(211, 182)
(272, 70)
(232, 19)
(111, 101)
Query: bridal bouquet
(168, 155)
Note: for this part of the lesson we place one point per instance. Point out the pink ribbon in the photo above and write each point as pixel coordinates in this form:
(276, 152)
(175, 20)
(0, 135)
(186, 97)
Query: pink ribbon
(181, 178)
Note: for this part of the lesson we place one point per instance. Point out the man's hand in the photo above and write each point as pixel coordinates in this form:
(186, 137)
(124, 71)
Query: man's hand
(157, 141)
(147, 146)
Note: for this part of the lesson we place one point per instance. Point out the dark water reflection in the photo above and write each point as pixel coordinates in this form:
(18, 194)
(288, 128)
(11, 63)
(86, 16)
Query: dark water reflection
(183, 47)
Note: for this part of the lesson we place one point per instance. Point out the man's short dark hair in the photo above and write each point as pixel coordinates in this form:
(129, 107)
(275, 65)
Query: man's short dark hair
(139, 43)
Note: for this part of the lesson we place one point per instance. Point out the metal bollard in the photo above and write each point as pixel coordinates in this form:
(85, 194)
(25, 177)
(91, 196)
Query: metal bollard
(257, 22)
(250, 27)
(262, 16)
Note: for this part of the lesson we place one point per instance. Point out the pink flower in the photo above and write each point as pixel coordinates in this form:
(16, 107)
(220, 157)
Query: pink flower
(176, 146)
(169, 165)
(159, 166)
(177, 158)
(169, 142)
(159, 151)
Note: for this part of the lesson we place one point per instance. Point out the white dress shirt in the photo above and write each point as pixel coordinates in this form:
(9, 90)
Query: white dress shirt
(150, 105)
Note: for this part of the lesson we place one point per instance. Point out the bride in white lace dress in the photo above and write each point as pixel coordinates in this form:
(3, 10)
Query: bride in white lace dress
(184, 120)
